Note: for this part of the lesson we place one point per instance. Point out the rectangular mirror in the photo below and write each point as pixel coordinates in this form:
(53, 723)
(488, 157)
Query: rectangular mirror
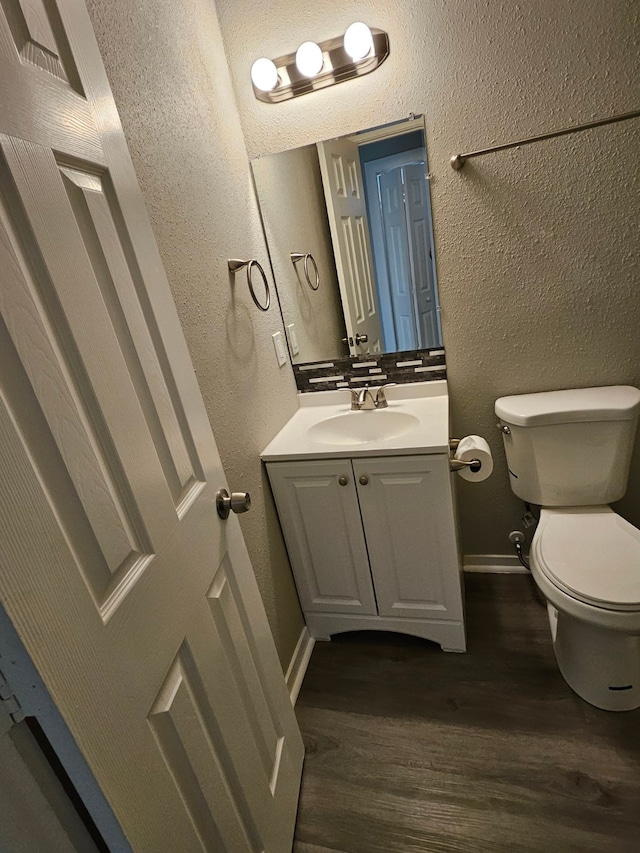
(348, 225)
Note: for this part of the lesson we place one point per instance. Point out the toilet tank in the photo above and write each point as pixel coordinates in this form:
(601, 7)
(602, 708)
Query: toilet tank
(570, 448)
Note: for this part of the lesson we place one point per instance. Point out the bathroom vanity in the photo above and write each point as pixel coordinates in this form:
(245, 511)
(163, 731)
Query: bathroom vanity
(367, 507)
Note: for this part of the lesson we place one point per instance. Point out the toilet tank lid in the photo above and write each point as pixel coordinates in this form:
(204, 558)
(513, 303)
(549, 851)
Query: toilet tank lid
(609, 403)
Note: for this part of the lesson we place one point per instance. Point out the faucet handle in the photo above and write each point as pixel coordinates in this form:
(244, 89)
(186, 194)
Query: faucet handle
(381, 397)
(355, 398)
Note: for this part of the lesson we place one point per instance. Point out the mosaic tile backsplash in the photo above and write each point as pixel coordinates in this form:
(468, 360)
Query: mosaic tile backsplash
(423, 365)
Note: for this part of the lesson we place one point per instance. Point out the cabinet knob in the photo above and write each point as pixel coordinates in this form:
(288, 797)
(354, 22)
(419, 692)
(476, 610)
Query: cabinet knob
(343, 480)
(364, 480)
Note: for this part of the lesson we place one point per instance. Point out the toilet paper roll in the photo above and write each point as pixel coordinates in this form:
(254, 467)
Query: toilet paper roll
(474, 447)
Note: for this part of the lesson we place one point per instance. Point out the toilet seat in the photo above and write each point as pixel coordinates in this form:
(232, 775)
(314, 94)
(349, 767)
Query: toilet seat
(591, 554)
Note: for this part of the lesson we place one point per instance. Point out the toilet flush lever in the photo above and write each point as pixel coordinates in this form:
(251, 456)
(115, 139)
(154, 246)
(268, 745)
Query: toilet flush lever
(504, 429)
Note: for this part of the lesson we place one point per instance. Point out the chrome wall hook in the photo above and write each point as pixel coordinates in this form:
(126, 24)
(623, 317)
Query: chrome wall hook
(307, 256)
(235, 265)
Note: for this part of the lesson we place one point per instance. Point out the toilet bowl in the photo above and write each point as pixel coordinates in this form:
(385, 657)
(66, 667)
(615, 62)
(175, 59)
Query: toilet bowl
(586, 562)
(569, 452)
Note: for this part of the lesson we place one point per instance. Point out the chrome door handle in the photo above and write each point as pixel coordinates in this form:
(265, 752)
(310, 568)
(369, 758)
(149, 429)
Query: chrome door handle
(235, 502)
(359, 339)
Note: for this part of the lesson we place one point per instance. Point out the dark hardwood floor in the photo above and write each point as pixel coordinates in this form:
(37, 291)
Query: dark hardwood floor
(412, 749)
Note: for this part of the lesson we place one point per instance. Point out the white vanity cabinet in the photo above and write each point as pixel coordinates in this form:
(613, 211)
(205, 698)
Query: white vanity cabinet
(373, 544)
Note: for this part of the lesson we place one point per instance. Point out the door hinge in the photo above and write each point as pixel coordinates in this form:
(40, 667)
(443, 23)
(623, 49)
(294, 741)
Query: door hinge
(8, 702)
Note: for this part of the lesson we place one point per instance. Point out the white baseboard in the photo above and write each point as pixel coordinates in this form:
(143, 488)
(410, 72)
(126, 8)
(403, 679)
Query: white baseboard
(501, 563)
(299, 663)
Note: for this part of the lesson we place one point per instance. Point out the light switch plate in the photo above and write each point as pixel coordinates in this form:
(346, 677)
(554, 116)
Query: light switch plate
(293, 339)
(278, 345)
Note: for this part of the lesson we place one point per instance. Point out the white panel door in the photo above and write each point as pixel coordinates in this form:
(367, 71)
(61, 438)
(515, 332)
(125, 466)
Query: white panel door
(422, 267)
(346, 209)
(137, 605)
(408, 516)
(318, 509)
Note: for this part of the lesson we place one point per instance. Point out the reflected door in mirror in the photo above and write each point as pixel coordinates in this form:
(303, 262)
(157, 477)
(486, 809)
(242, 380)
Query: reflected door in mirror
(347, 211)
(399, 215)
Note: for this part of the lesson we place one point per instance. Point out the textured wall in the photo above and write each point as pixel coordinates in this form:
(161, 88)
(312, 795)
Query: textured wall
(290, 190)
(171, 84)
(539, 248)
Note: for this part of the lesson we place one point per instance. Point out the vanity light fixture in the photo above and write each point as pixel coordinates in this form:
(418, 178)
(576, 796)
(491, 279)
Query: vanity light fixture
(315, 66)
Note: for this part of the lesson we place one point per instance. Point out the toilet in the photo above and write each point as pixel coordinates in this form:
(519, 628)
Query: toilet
(569, 452)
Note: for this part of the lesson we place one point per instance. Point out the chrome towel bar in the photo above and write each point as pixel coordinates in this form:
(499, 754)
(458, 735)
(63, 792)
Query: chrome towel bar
(458, 160)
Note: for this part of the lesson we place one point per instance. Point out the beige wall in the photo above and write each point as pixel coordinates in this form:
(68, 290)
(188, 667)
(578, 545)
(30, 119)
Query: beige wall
(538, 249)
(292, 205)
(168, 73)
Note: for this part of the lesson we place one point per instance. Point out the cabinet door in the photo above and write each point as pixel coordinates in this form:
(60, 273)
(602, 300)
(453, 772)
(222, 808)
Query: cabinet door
(323, 531)
(407, 510)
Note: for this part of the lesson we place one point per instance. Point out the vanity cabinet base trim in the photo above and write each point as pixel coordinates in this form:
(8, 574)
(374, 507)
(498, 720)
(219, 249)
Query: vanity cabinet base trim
(450, 636)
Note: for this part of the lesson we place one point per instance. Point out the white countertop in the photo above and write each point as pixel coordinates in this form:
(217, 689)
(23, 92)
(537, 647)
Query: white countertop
(427, 401)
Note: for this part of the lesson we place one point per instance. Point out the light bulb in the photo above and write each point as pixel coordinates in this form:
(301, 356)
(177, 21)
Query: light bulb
(309, 59)
(358, 41)
(264, 74)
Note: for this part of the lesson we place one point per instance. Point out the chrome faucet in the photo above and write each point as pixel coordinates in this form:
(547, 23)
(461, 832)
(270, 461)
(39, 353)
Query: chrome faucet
(362, 399)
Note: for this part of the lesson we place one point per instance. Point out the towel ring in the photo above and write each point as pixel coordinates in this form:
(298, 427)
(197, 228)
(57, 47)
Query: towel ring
(235, 265)
(298, 256)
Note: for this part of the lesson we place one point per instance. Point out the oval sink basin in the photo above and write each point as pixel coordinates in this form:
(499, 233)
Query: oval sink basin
(362, 427)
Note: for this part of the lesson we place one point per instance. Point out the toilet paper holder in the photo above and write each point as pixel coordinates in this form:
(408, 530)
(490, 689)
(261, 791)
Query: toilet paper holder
(458, 464)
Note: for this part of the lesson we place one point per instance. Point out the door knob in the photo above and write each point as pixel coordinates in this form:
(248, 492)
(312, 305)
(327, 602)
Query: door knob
(359, 339)
(343, 480)
(364, 480)
(235, 502)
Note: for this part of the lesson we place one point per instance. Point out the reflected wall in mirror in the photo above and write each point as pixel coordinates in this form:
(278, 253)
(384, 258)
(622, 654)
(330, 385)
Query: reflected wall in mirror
(360, 206)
